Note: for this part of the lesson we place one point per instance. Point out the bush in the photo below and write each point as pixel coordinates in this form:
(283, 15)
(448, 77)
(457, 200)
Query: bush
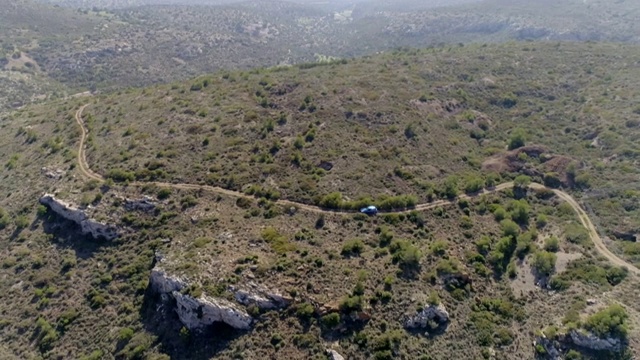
(541, 221)
(519, 210)
(544, 262)
(353, 248)
(330, 321)
(509, 228)
(119, 175)
(517, 139)
(499, 213)
(22, 222)
(305, 311)
(552, 244)
(450, 187)
(406, 255)
(279, 243)
(474, 184)
(164, 193)
(611, 321)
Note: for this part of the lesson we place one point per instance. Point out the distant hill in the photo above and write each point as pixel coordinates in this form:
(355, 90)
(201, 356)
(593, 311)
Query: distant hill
(91, 49)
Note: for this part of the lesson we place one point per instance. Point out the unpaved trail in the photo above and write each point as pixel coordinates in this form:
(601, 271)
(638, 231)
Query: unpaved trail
(582, 215)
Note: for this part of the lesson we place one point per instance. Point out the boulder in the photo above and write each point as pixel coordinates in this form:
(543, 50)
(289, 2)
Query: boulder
(334, 355)
(199, 312)
(421, 319)
(260, 296)
(55, 174)
(89, 226)
(590, 341)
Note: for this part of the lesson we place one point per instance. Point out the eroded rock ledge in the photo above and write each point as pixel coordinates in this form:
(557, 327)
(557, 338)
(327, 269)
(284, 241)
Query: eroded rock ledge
(89, 226)
(198, 312)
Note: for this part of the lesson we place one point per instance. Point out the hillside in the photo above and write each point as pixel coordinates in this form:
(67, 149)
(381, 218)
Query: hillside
(52, 51)
(233, 196)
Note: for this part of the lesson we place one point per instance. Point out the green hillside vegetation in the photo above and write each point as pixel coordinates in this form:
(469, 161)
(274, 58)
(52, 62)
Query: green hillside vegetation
(400, 130)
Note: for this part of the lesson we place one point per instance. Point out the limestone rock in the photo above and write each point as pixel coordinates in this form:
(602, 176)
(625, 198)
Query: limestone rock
(590, 341)
(262, 297)
(195, 313)
(334, 355)
(163, 283)
(89, 226)
(145, 204)
(55, 174)
(552, 353)
(437, 313)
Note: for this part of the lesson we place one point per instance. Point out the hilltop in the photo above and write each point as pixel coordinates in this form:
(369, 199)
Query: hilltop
(234, 195)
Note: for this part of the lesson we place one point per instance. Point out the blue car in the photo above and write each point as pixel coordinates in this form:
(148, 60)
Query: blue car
(369, 210)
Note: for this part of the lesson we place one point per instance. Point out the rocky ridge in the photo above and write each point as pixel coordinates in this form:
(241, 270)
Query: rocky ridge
(89, 226)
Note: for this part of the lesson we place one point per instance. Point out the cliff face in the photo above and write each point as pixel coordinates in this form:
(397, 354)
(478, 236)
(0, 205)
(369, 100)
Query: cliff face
(89, 226)
(198, 312)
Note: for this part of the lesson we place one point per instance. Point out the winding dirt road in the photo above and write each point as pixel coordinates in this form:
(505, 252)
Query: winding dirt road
(582, 215)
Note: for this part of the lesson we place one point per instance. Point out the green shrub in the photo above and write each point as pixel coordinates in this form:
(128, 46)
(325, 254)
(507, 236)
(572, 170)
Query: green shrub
(517, 139)
(541, 221)
(353, 248)
(125, 334)
(279, 243)
(607, 322)
(405, 254)
(305, 311)
(509, 228)
(438, 247)
(164, 193)
(552, 244)
(519, 210)
(330, 321)
(119, 175)
(499, 213)
(544, 262)
(22, 222)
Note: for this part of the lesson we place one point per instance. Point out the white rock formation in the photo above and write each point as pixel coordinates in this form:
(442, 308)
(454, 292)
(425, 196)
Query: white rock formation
(164, 283)
(69, 212)
(588, 340)
(198, 312)
(334, 355)
(262, 297)
(437, 313)
(203, 311)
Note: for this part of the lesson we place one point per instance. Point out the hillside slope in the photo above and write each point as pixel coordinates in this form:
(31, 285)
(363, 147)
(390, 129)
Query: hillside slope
(402, 129)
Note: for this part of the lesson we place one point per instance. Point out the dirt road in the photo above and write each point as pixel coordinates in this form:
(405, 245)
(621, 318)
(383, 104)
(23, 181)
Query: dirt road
(85, 169)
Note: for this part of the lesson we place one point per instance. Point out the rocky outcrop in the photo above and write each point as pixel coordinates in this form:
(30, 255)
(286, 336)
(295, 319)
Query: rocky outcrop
(163, 283)
(89, 226)
(199, 312)
(334, 355)
(590, 341)
(145, 204)
(550, 350)
(261, 297)
(625, 235)
(434, 313)
(55, 174)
